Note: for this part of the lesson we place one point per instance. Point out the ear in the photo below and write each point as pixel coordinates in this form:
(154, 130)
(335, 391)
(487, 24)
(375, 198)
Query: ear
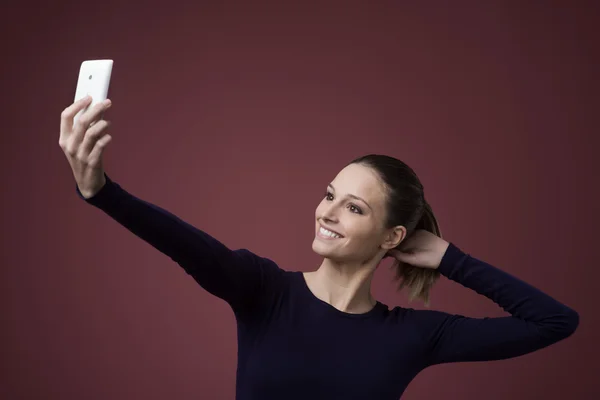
(394, 237)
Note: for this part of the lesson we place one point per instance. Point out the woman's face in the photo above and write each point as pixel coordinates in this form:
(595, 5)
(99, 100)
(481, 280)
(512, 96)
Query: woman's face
(354, 207)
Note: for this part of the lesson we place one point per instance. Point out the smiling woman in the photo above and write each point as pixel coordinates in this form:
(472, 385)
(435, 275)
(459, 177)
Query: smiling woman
(378, 197)
(321, 334)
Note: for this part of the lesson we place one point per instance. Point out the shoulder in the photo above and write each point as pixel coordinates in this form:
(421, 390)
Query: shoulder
(264, 267)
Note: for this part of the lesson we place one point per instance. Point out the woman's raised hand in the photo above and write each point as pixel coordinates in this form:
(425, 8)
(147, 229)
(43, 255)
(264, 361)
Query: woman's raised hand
(83, 143)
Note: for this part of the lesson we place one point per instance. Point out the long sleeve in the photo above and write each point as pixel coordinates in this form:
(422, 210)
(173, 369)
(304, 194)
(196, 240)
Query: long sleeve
(536, 320)
(239, 277)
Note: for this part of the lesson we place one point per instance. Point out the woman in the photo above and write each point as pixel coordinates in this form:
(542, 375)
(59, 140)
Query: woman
(321, 334)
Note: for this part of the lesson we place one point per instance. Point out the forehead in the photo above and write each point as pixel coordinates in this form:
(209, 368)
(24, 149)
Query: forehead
(359, 180)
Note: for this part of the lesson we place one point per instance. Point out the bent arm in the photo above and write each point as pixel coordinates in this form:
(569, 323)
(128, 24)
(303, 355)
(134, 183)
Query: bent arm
(236, 276)
(536, 320)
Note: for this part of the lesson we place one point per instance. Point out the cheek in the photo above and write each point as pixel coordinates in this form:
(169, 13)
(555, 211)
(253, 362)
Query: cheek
(361, 246)
(362, 236)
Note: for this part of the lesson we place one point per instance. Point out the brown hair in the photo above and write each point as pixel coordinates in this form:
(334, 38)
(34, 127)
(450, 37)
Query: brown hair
(406, 206)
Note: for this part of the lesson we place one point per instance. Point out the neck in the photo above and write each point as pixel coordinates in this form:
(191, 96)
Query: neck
(346, 288)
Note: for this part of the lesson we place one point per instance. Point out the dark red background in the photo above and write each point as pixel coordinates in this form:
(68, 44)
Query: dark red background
(235, 116)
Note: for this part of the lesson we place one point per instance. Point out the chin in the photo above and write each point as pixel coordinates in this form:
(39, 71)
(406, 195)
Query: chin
(318, 248)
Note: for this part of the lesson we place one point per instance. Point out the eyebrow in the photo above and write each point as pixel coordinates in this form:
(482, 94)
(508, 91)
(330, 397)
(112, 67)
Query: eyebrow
(352, 196)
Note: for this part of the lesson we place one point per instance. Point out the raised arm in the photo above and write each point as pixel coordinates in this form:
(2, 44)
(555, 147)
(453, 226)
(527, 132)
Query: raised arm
(238, 276)
(536, 320)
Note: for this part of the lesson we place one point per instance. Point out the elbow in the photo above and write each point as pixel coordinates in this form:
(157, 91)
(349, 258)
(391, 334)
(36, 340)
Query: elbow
(571, 322)
(566, 325)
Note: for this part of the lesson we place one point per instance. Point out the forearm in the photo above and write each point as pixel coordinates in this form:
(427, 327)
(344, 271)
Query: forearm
(515, 296)
(237, 276)
(158, 227)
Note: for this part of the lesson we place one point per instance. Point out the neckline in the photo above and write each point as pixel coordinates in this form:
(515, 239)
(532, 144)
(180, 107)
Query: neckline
(326, 306)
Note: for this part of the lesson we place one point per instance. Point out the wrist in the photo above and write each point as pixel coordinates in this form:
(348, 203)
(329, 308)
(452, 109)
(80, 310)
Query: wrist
(441, 251)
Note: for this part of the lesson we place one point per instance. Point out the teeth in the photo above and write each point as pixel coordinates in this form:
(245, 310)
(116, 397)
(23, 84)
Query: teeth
(329, 233)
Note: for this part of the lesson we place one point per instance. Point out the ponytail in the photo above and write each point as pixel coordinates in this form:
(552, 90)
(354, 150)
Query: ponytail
(419, 281)
(406, 206)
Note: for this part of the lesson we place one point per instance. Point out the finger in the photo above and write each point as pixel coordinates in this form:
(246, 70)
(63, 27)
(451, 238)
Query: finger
(94, 113)
(391, 253)
(100, 118)
(402, 256)
(95, 156)
(84, 121)
(92, 135)
(67, 115)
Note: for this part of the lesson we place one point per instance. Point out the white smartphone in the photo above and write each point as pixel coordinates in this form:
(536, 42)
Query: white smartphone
(94, 80)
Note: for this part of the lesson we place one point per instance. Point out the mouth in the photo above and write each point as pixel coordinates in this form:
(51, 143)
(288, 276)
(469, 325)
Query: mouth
(328, 233)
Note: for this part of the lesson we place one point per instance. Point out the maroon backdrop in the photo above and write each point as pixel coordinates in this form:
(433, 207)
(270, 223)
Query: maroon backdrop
(235, 116)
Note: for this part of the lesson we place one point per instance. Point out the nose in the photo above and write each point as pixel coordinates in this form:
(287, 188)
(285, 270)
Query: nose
(330, 213)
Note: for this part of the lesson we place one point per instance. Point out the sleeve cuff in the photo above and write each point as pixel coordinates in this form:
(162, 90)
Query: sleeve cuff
(452, 258)
(106, 195)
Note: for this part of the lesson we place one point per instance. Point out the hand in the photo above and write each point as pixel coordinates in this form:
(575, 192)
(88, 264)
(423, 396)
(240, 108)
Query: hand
(422, 249)
(83, 143)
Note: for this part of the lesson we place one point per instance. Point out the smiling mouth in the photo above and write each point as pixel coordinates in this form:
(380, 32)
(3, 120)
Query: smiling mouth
(327, 234)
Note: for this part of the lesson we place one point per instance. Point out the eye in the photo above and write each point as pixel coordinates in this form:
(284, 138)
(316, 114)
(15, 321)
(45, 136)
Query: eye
(358, 210)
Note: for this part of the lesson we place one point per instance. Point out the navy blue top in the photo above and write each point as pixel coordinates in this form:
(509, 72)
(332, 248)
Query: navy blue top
(292, 345)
